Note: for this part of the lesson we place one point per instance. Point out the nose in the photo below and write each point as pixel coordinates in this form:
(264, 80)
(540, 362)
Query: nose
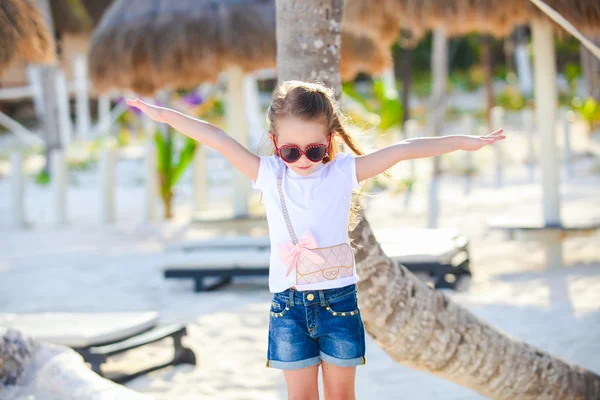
(304, 159)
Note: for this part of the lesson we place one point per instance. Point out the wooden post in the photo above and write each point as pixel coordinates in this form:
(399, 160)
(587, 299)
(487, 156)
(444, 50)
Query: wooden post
(34, 78)
(17, 190)
(497, 123)
(103, 108)
(200, 179)
(411, 130)
(59, 182)
(50, 112)
(108, 160)
(253, 111)
(65, 127)
(82, 104)
(406, 60)
(523, 63)
(590, 68)
(529, 127)
(238, 128)
(438, 101)
(35, 71)
(148, 125)
(151, 182)
(568, 119)
(468, 128)
(488, 64)
(150, 174)
(546, 97)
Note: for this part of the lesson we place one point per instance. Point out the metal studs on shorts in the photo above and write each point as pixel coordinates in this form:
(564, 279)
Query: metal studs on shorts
(274, 314)
(342, 314)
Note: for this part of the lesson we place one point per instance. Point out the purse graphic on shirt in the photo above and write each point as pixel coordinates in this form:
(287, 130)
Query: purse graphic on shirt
(313, 264)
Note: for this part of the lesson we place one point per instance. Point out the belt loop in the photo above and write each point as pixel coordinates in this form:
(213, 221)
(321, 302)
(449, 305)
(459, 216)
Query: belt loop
(322, 297)
(292, 295)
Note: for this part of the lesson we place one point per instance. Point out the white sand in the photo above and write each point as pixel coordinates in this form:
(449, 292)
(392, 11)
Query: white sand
(87, 267)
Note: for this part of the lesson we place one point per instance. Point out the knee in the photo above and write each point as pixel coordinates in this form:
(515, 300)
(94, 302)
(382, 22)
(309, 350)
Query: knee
(339, 395)
(304, 396)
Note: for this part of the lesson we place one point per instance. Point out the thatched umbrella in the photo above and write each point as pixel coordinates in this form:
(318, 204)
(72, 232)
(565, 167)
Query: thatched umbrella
(458, 17)
(373, 17)
(23, 34)
(148, 46)
(362, 54)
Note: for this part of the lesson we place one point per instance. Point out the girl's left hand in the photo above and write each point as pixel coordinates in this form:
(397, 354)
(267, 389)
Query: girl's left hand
(473, 143)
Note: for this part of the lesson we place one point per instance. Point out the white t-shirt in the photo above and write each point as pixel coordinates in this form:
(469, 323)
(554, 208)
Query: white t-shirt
(319, 202)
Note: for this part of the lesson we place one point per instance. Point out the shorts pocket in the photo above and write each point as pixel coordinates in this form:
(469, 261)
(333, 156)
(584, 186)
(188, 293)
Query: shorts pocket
(279, 307)
(343, 306)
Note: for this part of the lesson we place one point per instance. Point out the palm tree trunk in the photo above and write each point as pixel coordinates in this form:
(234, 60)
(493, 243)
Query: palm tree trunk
(487, 62)
(419, 327)
(416, 325)
(309, 36)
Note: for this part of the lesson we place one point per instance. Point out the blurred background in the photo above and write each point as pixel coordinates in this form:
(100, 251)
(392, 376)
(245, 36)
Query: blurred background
(97, 201)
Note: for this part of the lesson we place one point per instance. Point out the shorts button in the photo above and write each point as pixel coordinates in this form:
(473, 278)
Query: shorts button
(310, 297)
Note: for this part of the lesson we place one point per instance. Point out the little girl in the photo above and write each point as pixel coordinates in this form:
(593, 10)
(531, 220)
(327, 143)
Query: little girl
(307, 186)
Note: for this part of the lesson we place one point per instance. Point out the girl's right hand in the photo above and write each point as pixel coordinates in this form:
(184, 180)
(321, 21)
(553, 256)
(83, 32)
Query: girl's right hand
(151, 111)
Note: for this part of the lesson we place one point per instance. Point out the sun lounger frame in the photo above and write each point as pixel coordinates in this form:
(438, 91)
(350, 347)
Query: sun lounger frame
(446, 271)
(98, 354)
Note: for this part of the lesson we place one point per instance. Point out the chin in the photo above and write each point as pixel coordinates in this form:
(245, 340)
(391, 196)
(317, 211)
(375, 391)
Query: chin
(303, 172)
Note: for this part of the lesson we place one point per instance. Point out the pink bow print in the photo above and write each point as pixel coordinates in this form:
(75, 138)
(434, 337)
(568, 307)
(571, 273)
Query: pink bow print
(289, 252)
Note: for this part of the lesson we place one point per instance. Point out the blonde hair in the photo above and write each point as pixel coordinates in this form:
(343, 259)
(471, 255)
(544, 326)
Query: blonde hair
(309, 101)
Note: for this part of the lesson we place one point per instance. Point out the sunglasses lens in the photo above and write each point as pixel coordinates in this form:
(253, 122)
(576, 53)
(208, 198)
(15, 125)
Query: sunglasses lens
(316, 153)
(289, 154)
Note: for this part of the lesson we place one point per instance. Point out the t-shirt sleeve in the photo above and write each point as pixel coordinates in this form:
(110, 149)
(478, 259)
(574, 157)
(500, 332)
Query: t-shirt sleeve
(346, 164)
(267, 172)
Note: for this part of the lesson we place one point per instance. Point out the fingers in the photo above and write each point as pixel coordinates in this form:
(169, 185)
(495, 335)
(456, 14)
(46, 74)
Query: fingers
(496, 132)
(135, 103)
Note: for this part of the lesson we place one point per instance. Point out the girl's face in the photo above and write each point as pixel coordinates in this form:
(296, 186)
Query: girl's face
(296, 132)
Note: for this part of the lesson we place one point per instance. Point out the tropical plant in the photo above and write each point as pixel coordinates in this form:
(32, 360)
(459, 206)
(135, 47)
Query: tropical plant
(589, 111)
(388, 108)
(171, 164)
(511, 98)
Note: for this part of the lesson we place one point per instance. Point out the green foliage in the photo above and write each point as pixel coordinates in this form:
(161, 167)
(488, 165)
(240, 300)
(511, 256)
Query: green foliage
(589, 111)
(511, 98)
(389, 109)
(171, 163)
(80, 164)
(42, 178)
(404, 185)
(468, 80)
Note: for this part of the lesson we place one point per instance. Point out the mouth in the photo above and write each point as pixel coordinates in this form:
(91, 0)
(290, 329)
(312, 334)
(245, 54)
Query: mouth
(304, 168)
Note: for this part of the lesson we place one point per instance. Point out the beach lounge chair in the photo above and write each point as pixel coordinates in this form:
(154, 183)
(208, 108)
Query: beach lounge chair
(98, 336)
(534, 229)
(441, 254)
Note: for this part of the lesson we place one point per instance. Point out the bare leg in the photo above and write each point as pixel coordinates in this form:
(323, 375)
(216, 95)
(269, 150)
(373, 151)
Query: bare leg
(338, 382)
(302, 384)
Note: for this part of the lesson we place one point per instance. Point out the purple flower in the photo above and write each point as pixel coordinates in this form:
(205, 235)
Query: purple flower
(193, 98)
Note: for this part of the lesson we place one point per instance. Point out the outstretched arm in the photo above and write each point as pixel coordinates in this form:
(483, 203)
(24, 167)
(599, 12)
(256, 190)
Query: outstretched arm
(380, 161)
(204, 133)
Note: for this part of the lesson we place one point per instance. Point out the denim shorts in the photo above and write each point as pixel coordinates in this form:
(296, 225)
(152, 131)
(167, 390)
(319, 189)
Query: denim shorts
(306, 327)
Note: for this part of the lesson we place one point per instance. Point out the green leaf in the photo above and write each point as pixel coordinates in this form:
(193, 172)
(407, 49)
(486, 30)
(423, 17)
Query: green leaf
(349, 89)
(391, 114)
(379, 90)
(185, 158)
(589, 110)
